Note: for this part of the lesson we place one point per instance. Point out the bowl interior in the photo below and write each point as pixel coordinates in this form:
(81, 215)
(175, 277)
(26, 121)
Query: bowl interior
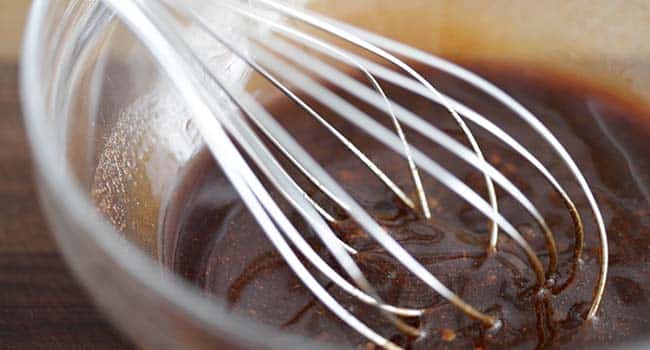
(112, 126)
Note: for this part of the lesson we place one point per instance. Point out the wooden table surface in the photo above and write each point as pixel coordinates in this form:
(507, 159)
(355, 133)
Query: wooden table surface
(42, 306)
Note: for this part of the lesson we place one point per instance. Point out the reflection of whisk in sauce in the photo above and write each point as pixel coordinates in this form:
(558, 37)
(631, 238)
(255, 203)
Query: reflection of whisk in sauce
(338, 221)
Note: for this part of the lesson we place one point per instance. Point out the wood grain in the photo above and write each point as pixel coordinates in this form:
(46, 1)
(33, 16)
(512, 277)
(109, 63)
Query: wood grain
(41, 304)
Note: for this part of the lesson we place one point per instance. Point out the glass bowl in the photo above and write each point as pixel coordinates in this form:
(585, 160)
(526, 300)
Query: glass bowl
(110, 136)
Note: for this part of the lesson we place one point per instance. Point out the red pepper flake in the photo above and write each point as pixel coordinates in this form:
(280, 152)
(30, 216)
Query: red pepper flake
(447, 334)
(371, 346)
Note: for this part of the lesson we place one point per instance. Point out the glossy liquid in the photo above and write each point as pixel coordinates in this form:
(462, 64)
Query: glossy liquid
(211, 239)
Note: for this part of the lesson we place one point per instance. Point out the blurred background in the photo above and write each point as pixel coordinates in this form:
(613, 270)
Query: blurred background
(12, 18)
(41, 304)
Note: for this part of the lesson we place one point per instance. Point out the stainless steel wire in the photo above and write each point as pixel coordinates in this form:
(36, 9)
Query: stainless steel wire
(227, 115)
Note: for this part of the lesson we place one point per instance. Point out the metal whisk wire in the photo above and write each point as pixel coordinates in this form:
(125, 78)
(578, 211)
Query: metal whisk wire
(207, 117)
(215, 106)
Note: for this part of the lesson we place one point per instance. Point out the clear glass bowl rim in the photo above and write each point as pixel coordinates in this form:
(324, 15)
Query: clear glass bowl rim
(58, 181)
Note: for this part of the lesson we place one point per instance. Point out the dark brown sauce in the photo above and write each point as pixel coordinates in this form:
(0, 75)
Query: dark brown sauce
(211, 239)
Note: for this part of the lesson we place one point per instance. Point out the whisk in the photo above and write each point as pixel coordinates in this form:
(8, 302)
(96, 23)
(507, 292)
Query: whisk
(228, 116)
